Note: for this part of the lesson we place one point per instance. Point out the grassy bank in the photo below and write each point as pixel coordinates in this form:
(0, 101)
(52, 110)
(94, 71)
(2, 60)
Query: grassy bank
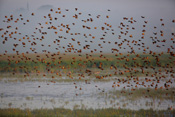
(137, 93)
(90, 112)
(46, 63)
(106, 65)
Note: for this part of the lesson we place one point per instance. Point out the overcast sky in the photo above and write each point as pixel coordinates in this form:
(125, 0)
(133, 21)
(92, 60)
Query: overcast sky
(153, 10)
(137, 7)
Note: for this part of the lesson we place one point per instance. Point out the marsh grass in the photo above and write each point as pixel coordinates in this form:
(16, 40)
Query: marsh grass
(29, 98)
(77, 78)
(37, 70)
(162, 94)
(85, 112)
(42, 62)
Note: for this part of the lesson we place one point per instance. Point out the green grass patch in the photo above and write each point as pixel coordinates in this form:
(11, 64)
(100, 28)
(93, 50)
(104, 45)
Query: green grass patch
(85, 113)
(162, 94)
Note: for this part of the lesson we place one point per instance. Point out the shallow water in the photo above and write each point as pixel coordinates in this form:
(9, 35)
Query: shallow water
(63, 95)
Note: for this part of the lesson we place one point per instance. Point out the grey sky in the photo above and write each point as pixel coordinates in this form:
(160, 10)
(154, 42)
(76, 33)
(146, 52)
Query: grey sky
(153, 10)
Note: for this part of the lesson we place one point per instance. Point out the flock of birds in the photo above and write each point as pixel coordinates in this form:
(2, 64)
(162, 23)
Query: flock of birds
(124, 42)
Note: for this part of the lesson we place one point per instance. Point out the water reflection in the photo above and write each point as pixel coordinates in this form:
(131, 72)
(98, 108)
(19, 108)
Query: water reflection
(64, 95)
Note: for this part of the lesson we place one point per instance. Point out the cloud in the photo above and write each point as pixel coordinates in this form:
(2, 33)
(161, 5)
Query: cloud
(45, 7)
